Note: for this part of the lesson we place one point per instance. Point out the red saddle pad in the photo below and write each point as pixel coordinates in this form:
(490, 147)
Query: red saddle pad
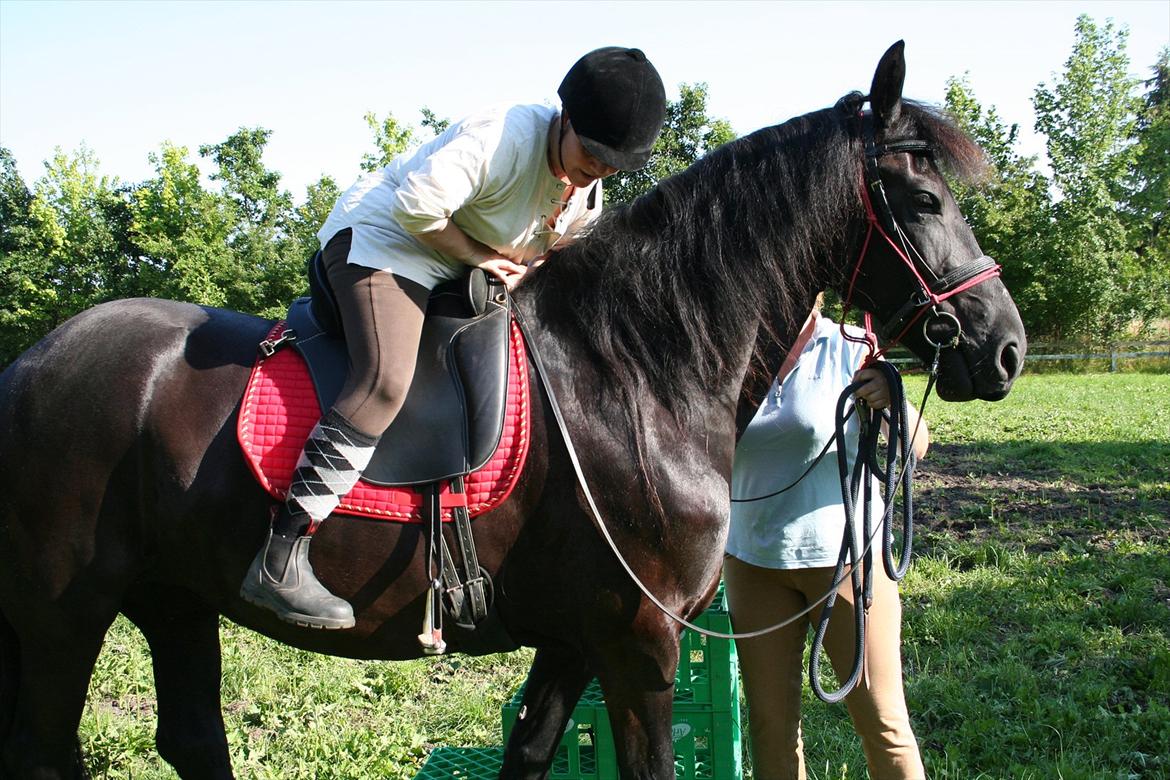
(280, 408)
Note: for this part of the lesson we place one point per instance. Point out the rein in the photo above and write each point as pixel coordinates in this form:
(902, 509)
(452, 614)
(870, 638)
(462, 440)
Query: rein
(839, 576)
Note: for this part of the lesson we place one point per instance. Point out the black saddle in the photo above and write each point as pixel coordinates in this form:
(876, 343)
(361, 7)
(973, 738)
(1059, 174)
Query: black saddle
(453, 416)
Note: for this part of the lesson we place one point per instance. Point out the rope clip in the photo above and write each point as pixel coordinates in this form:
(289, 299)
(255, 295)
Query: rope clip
(268, 347)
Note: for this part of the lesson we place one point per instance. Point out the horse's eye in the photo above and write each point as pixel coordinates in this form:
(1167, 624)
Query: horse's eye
(927, 202)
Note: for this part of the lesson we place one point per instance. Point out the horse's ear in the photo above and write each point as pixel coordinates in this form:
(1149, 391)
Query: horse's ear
(885, 95)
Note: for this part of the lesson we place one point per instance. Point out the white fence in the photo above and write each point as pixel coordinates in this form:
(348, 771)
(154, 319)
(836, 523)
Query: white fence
(1132, 351)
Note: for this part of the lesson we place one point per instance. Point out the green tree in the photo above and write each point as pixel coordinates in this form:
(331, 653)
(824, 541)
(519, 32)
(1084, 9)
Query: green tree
(308, 217)
(1149, 185)
(25, 288)
(183, 231)
(688, 134)
(391, 138)
(432, 122)
(15, 200)
(265, 273)
(67, 251)
(1096, 284)
(1010, 212)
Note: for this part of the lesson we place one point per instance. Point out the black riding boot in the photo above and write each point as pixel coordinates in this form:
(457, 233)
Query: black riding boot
(282, 580)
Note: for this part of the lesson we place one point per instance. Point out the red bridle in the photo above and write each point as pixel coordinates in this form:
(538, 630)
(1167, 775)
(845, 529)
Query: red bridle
(929, 294)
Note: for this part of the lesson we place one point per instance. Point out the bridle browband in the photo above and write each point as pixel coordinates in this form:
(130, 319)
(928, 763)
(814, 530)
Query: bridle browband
(882, 221)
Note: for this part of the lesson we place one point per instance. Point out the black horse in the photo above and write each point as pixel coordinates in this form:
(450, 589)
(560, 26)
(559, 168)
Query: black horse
(123, 489)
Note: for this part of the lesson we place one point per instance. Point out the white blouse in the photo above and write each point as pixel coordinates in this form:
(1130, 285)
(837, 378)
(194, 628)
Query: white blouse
(488, 173)
(802, 527)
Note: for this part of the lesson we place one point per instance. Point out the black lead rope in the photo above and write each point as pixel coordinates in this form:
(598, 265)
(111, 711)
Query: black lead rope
(898, 451)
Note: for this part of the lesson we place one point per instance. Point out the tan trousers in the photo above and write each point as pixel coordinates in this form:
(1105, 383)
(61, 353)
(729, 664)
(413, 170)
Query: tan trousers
(773, 668)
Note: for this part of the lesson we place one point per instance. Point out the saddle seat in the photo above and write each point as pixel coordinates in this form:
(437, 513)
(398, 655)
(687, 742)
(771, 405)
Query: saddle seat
(465, 414)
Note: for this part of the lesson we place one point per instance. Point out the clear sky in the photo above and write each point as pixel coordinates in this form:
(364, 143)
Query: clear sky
(122, 77)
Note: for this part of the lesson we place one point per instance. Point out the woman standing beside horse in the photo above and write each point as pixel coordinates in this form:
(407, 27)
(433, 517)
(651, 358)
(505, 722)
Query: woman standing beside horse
(493, 191)
(782, 552)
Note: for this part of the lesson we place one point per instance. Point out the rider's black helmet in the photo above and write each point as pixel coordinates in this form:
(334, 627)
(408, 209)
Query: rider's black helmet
(615, 100)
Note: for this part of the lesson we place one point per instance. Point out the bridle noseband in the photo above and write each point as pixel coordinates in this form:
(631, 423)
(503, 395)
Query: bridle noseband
(881, 220)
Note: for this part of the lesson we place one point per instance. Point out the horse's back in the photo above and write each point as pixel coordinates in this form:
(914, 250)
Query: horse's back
(113, 407)
(101, 368)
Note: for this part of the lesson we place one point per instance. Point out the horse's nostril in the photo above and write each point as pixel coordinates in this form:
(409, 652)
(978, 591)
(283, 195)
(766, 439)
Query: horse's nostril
(1009, 360)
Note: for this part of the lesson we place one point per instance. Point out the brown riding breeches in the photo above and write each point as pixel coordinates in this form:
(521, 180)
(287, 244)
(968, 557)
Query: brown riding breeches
(382, 315)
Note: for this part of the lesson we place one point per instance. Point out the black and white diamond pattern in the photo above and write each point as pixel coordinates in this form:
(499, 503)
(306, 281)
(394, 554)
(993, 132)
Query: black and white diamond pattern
(333, 460)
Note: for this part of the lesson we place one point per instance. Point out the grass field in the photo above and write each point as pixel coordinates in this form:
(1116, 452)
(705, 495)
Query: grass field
(1036, 636)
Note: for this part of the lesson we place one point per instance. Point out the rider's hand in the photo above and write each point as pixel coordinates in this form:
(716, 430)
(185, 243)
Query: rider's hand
(876, 391)
(503, 269)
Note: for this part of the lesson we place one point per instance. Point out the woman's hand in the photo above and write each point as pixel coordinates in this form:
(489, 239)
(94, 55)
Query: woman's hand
(876, 393)
(504, 269)
(876, 390)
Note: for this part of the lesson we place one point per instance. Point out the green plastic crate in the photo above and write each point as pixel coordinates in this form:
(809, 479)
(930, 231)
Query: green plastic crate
(708, 743)
(577, 755)
(707, 666)
(445, 763)
(705, 724)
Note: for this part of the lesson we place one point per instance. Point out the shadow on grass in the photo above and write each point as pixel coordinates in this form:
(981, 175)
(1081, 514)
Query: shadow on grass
(1037, 618)
(1042, 496)
(1056, 663)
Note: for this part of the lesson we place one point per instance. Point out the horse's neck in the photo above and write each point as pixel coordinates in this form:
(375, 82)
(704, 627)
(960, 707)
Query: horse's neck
(584, 391)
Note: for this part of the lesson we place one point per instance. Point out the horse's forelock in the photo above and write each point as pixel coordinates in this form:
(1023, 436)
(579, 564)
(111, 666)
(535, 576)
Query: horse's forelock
(955, 151)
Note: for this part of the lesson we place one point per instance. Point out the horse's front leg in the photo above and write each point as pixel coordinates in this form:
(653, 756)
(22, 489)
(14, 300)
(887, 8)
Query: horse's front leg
(637, 678)
(555, 682)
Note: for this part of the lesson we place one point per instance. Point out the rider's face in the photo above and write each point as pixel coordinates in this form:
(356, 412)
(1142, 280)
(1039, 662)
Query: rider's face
(580, 167)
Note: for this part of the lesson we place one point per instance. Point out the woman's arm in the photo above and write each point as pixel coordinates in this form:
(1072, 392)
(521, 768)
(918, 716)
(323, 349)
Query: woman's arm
(917, 427)
(450, 241)
(451, 177)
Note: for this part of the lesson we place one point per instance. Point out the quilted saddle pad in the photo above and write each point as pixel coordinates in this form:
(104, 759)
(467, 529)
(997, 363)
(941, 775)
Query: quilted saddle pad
(280, 408)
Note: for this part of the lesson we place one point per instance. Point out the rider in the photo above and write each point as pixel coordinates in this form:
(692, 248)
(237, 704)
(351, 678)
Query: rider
(494, 191)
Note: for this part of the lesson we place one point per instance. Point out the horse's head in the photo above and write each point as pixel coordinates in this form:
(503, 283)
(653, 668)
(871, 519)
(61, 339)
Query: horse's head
(919, 269)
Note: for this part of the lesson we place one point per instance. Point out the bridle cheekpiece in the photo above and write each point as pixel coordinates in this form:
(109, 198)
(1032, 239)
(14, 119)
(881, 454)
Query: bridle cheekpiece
(881, 220)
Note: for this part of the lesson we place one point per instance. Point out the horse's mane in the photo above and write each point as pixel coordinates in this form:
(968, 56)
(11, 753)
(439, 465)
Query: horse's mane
(743, 239)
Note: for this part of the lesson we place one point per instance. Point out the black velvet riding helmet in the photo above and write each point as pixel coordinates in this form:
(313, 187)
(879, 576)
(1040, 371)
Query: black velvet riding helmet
(616, 102)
